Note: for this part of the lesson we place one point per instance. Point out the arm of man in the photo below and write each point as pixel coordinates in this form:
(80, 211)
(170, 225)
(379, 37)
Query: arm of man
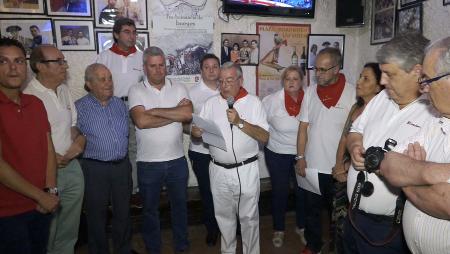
(145, 120)
(356, 149)
(181, 113)
(13, 180)
(255, 132)
(302, 140)
(50, 180)
(339, 170)
(433, 200)
(77, 146)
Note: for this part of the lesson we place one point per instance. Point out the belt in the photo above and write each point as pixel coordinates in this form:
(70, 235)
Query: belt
(124, 98)
(235, 165)
(376, 217)
(109, 162)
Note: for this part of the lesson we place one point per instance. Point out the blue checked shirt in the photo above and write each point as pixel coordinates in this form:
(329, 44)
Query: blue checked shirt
(105, 128)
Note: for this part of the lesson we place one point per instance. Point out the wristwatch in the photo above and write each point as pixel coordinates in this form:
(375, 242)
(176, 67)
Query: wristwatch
(299, 157)
(241, 124)
(51, 190)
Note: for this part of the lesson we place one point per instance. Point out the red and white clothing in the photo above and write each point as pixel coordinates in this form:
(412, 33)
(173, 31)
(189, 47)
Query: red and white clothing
(382, 119)
(225, 183)
(163, 143)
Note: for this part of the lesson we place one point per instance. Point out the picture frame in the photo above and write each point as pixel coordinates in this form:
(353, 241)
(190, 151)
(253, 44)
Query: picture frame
(30, 32)
(409, 19)
(243, 49)
(105, 40)
(405, 3)
(15, 6)
(105, 14)
(383, 21)
(445, 2)
(72, 8)
(317, 42)
(74, 35)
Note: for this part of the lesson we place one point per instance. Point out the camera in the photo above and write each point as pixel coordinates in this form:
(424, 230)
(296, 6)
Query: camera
(375, 154)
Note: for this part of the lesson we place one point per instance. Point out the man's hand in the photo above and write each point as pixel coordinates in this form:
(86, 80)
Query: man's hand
(233, 116)
(184, 101)
(339, 172)
(61, 161)
(300, 167)
(196, 131)
(357, 154)
(416, 151)
(47, 203)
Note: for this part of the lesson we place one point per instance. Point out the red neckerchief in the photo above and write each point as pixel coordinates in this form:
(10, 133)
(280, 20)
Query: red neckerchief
(292, 106)
(118, 51)
(241, 94)
(330, 95)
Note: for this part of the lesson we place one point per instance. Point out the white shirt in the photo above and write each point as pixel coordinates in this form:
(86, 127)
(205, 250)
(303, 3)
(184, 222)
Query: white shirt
(424, 233)
(126, 70)
(83, 41)
(382, 119)
(325, 126)
(283, 128)
(250, 109)
(61, 112)
(163, 143)
(199, 94)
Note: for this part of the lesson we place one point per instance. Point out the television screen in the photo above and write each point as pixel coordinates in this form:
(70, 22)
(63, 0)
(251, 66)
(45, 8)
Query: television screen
(290, 8)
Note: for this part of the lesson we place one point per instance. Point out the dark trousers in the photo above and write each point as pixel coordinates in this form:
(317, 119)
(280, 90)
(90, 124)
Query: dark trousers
(25, 233)
(104, 183)
(282, 174)
(200, 165)
(315, 204)
(376, 229)
(151, 177)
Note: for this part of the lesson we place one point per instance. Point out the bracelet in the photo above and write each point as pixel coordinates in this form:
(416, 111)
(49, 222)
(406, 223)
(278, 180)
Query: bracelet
(51, 190)
(299, 157)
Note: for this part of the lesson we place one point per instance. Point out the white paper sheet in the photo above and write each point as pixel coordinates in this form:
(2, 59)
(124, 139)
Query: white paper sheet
(211, 132)
(311, 181)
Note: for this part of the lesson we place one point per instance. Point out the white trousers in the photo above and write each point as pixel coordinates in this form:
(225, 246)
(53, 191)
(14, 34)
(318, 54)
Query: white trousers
(225, 192)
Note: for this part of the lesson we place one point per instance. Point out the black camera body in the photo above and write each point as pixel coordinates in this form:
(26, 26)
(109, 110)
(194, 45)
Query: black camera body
(375, 154)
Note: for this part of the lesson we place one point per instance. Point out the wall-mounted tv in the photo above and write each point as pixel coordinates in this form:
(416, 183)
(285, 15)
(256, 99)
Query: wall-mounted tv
(289, 8)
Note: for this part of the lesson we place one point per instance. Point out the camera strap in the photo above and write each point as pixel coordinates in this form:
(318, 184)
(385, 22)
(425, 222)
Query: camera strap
(354, 205)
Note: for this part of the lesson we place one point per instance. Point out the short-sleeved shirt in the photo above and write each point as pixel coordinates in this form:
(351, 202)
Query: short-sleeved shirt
(325, 126)
(166, 142)
(283, 127)
(249, 109)
(23, 135)
(199, 94)
(382, 119)
(61, 112)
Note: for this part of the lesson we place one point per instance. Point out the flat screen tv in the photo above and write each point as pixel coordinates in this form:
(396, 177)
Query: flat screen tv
(289, 8)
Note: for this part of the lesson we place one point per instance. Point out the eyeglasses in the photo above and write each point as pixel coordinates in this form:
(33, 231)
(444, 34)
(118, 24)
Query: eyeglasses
(128, 32)
(423, 81)
(227, 81)
(323, 69)
(58, 61)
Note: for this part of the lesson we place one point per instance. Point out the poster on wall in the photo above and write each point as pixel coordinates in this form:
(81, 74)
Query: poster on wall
(383, 21)
(281, 45)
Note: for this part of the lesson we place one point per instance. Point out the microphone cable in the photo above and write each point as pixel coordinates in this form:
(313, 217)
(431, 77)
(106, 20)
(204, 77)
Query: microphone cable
(237, 172)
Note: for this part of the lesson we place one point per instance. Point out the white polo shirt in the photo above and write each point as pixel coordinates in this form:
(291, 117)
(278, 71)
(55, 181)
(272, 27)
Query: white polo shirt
(382, 119)
(163, 143)
(126, 70)
(424, 233)
(325, 126)
(61, 112)
(283, 128)
(199, 94)
(250, 109)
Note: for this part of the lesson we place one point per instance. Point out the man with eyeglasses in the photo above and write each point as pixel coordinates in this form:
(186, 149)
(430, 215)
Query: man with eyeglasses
(397, 113)
(50, 67)
(423, 172)
(234, 172)
(27, 159)
(124, 60)
(324, 110)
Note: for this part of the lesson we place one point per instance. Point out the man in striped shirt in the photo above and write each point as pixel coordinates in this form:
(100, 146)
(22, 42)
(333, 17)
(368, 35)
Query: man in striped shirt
(426, 219)
(103, 119)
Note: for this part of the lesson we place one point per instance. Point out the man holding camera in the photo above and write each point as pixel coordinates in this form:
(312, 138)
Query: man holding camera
(393, 116)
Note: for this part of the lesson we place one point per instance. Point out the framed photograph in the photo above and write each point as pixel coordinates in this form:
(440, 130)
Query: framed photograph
(404, 3)
(74, 35)
(409, 19)
(69, 8)
(22, 6)
(317, 42)
(383, 21)
(30, 32)
(445, 2)
(242, 49)
(107, 11)
(105, 40)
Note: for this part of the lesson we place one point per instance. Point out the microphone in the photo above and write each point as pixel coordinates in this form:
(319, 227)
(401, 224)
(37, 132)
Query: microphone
(230, 102)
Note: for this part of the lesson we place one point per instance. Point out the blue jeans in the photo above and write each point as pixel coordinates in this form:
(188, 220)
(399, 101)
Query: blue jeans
(25, 233)
(151, 178)
(282, 172)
